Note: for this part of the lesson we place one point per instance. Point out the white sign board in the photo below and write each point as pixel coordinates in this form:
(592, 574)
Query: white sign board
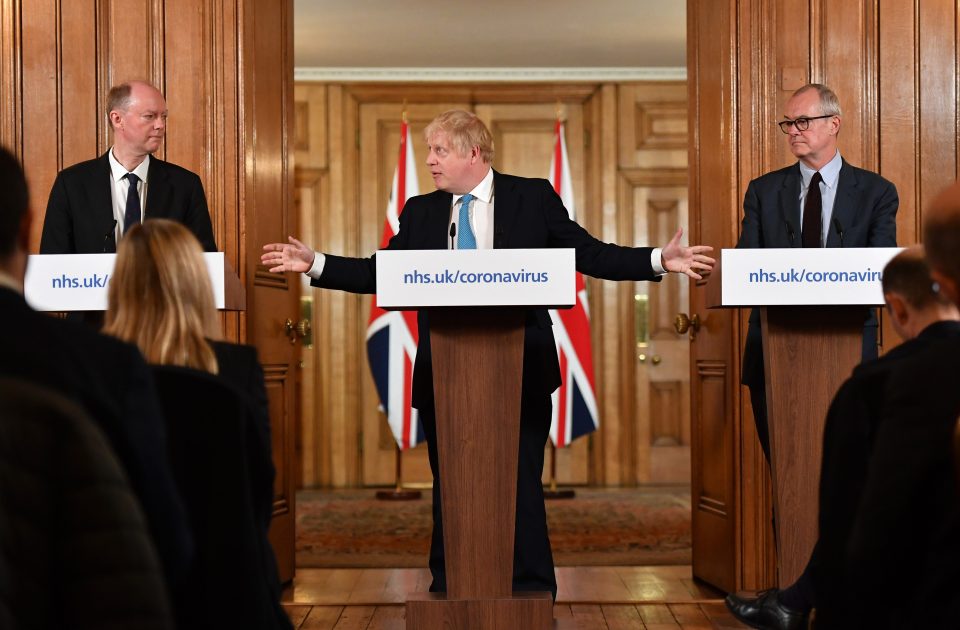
(476, 277)
(811, 276)
(78, 282)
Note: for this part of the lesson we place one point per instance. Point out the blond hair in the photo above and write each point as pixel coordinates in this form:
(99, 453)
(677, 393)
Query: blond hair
(464, 130)
(160, 297)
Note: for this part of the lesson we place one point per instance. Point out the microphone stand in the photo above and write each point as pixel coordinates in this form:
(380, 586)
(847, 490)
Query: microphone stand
(399, 493)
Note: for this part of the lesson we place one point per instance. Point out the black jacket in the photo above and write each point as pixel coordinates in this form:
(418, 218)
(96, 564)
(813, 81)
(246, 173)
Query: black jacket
(111, 382)
(79, 217)
(528, 214)
(864, 208)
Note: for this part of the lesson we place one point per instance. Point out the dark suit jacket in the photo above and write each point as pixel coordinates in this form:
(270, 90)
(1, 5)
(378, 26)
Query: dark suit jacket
(110, 380)
(239, 366)
(903, 558)
(865, 208)
(79, 217)
(528, 214)
(848, 440)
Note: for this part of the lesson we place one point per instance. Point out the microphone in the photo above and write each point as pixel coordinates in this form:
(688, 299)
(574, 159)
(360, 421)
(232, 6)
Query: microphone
(111, 233)
(839, 229)
(790, 231)
(453, 233)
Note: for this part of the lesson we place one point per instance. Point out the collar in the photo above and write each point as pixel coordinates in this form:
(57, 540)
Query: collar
(482, 191)
(117, 171)
(9, 282)
(830, 172)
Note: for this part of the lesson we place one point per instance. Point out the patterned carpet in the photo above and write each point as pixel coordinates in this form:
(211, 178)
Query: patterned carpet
(632, 526)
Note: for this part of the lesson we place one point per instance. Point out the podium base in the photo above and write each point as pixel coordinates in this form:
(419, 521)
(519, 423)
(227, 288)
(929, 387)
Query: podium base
(526, 611)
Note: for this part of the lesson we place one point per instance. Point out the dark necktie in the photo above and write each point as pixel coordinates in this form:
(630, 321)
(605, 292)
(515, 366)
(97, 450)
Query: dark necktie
(812, 210)
(131, 214)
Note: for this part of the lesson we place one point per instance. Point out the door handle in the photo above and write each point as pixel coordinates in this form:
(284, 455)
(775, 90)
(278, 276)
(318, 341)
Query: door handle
(294, 330)
(682, 323)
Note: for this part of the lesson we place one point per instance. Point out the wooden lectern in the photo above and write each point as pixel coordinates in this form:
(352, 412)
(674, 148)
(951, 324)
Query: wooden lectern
(812, 327)
(476, 341)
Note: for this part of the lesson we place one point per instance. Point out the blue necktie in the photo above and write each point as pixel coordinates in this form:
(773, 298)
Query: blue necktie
(131, 214)
(465, 237)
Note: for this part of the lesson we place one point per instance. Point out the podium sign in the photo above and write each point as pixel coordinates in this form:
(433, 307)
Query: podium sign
(478, 277)
(794, 277)
(78, 282)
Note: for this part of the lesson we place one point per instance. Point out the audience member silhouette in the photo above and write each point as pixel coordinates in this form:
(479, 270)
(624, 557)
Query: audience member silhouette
(902, 563)
(161, 299)
(106, 377)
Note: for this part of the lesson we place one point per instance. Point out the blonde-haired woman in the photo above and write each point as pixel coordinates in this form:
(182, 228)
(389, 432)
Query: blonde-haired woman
(160, 298)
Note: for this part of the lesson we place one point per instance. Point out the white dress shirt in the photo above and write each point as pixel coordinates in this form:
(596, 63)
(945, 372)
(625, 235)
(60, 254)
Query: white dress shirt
(119, 186)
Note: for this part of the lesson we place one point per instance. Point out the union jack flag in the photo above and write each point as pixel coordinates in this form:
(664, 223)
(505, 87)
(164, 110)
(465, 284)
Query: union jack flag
(574, 404)
(392, 335)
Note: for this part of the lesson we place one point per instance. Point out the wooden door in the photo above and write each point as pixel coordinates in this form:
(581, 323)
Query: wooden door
(652, 199)
(273, 299)
(713, 372)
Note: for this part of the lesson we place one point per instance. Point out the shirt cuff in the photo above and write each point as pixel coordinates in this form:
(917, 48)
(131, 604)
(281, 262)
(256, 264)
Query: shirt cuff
(318, 262)
(656, 258)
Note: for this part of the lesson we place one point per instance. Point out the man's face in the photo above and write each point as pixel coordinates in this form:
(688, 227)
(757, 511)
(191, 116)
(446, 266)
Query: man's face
(141, 127)
(818, 144)
(451, 172)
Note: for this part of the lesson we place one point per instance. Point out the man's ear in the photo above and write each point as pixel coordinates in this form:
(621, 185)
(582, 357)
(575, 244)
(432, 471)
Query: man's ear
(897, 307)
(948, 286)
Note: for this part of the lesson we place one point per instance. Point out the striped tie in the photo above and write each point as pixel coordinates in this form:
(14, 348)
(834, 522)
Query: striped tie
(465, 237)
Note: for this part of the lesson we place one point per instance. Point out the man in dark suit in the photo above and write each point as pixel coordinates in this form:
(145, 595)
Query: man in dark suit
(492, 211)
(105, 376)
(902, 562)
(923, 318)
(848, 207)
(93, 203)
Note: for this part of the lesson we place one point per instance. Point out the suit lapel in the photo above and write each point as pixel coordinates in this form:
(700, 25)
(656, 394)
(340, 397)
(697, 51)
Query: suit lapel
(100, 195)
(437, 234)
(845, 203)
(158, 190)
(790, 204)
(506, 209)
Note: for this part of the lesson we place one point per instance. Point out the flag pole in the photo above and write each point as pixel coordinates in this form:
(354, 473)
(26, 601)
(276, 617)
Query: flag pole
(399, 493)
(552, 492)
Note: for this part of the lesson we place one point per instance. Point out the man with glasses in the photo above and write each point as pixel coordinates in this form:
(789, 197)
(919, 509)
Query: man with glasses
(821, 201)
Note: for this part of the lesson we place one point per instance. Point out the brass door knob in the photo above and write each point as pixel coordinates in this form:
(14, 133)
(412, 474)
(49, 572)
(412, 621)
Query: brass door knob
(300, 329)
(655, 359)
(682, 323)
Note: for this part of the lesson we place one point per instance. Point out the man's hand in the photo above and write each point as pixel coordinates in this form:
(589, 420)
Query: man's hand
(295, 256)
(688, 260)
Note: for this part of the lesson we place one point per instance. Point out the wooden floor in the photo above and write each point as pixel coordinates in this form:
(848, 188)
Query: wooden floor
(587, 597)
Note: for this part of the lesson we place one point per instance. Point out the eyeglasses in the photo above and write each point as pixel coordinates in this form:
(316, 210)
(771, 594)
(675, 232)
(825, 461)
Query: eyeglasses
(802, 123)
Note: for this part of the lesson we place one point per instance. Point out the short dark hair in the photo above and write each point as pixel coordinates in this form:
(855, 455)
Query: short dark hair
(908, 275)
(14, 201)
